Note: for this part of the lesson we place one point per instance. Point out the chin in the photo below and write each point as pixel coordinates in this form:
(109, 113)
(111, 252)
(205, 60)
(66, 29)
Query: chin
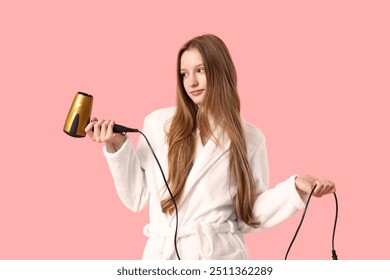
(197, 101)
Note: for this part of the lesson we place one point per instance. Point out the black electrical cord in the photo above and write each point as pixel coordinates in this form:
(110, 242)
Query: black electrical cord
(169, 190)
(334, 255)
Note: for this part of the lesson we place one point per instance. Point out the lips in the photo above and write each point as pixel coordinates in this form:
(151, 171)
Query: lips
(197, 92)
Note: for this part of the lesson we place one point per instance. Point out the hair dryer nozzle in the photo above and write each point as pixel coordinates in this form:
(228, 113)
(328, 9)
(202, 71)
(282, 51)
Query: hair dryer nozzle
(79, 115)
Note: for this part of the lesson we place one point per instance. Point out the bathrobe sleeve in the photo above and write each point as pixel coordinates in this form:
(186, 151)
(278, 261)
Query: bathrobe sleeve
(127, 167)
(272, 205)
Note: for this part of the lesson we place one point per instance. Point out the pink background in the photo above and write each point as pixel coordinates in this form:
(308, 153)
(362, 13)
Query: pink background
(313, 76)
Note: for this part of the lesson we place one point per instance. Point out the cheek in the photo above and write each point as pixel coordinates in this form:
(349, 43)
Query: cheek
(204, 81)
(185, 86)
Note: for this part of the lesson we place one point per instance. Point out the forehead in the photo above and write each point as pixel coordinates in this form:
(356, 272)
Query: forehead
(191, 58)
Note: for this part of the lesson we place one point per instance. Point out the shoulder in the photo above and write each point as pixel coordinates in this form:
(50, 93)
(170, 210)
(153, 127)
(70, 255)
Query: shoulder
(158, 119)
(253, 133)
(161, 114)
(254, 137)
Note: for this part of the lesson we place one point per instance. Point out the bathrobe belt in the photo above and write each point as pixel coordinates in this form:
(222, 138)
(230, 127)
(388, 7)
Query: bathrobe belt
(203, 231)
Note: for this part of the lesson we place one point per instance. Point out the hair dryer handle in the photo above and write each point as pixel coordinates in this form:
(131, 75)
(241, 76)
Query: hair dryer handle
(120, 129)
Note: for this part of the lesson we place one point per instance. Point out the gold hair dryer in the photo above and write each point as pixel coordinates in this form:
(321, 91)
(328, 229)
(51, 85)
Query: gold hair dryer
(80, 114)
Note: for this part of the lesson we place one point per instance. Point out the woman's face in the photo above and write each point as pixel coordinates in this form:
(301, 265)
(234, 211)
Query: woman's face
(194, 76)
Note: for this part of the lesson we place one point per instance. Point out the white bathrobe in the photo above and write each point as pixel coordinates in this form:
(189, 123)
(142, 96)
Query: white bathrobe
(208, 227)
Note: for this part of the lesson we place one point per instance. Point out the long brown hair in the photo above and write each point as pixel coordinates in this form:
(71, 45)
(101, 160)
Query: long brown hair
(221, 104)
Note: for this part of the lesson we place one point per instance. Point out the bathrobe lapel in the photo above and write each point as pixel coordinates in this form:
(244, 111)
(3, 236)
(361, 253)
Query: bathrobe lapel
(208, 156)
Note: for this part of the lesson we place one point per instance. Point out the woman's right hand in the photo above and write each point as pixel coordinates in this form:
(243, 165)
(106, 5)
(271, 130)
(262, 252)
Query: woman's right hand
(101, 131)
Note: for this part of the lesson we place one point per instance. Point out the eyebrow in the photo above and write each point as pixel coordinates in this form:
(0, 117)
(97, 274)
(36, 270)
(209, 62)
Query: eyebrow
(197, 66)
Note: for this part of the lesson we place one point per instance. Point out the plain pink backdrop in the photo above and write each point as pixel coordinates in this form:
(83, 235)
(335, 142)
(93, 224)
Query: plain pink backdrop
(313, 76)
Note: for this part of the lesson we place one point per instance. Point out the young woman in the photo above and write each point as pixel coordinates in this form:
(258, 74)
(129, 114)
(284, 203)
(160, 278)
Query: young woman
(216, 165)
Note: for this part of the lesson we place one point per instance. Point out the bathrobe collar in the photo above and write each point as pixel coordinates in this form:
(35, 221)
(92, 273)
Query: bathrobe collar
(206, 157)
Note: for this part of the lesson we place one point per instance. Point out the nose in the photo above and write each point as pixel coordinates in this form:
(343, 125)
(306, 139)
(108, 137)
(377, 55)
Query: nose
(193, 81)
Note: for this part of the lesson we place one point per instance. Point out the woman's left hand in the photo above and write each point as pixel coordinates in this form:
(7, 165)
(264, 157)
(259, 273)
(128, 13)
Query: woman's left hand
(306, 183)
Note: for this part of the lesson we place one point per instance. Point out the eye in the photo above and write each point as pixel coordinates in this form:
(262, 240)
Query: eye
(200, 70)
(184, 74)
